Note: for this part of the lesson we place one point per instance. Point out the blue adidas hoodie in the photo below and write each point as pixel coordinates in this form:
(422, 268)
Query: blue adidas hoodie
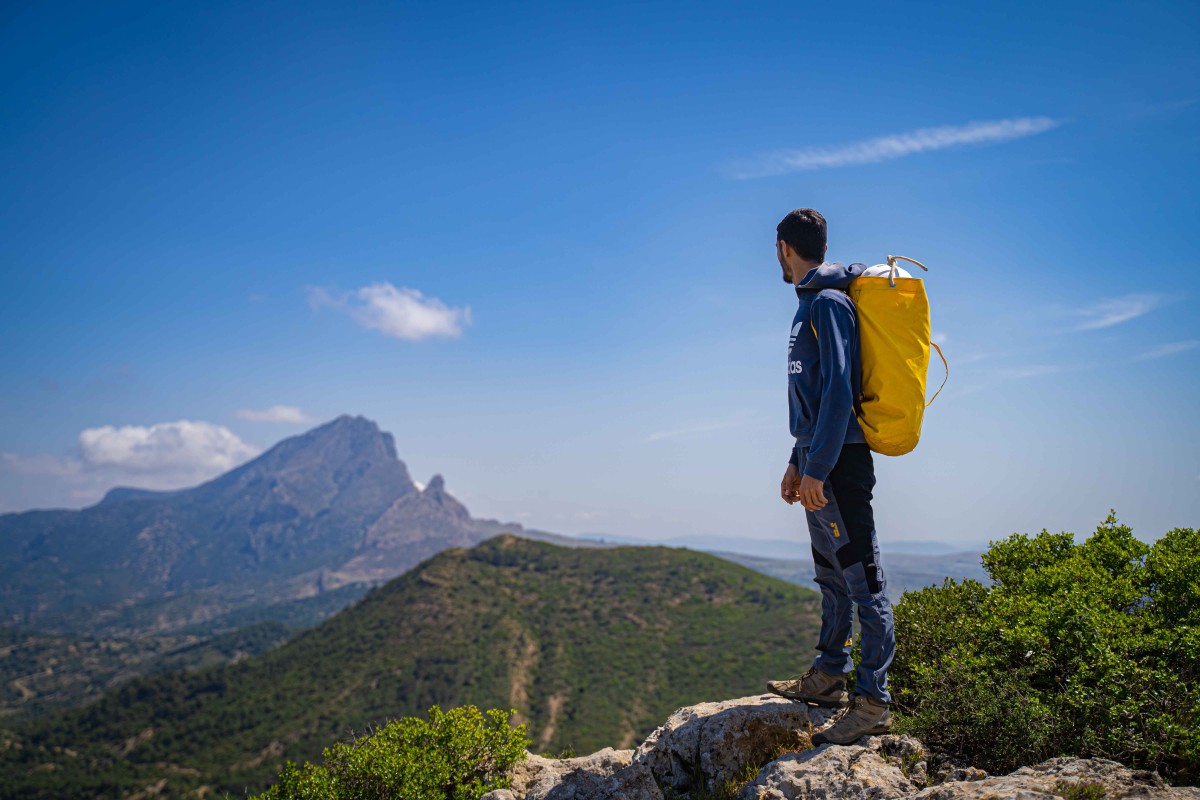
(824, 368)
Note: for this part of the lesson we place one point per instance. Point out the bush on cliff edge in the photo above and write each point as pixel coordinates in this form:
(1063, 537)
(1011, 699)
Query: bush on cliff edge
(459, 754)
(1088, 649)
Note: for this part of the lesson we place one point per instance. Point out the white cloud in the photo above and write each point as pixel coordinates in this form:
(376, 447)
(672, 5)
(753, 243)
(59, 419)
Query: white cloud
(972, 358)
(168, 455)
(183, 447)
(288, 414)
(702, 428)
(1170, 349)
(886, 148)
(939, 338)
(1117, 310)
(398, 312)
(1022, 373)
(990, 378)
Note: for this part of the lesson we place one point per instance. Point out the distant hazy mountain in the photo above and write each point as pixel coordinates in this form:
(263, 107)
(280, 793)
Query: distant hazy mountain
(331, 510)
(781, 548)
(909, 564)
(905, 572)
(593, 647)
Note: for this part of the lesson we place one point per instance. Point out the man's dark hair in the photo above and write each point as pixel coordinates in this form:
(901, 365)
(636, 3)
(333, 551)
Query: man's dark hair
(804, 231)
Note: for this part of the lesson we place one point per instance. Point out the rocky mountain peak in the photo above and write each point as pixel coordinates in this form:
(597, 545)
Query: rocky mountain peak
(357, 432)
(345, 448)
(343, 452)
(332, 499)
(340, 438)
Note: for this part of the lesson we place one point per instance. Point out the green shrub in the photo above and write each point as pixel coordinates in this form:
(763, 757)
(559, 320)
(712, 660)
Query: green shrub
(1079, 791)
(1088, 649)
(459, 754)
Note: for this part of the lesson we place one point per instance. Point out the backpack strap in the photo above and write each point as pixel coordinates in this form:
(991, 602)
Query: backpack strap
(944, 364)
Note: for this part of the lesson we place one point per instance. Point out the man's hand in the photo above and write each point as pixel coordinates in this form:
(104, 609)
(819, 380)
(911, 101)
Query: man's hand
(811, 493)
(789, 488)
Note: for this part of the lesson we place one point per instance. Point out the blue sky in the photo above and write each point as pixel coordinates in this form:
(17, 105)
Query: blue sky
(536, 243)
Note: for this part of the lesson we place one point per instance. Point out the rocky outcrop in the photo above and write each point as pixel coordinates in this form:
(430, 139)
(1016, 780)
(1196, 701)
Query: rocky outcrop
(706, 745)
(758, 748)
(1064, 777)
(606, 775)
(881, 766)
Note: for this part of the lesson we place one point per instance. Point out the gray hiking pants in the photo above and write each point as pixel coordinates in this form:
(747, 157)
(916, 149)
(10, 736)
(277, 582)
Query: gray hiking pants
(845, 552)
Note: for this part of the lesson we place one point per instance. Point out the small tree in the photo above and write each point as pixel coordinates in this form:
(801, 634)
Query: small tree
(459, 754)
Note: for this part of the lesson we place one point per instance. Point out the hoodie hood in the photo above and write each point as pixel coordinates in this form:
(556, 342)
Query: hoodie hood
(830, 275)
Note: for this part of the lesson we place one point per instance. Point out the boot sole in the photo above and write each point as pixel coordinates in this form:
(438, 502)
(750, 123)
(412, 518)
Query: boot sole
(879, 731)
(821, 702)
(824, 703)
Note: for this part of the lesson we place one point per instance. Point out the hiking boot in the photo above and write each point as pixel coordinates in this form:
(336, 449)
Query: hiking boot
(865, 716)
(814, 686)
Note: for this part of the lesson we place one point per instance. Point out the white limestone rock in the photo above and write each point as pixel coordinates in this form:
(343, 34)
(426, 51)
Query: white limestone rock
(604, 775)
(1050, 778)
(498, 794)
(876, 767)
(705, 745)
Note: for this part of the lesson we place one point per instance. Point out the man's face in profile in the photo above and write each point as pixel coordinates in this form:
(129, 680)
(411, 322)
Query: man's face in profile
(787, 273)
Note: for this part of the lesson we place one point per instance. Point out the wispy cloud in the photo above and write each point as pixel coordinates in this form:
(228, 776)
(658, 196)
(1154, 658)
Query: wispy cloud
(972, 358)
(701, 428)
(1107, 313)
(886, 148)
(399, 312)
(1148, 109)
(1170, 349)
(285, 414)
(990, 379)
(1023, 373)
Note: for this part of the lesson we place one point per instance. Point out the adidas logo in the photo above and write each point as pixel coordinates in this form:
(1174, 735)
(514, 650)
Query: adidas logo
(795, 332)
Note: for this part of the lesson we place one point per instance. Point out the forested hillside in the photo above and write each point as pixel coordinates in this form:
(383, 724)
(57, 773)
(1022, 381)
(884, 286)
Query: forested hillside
(593, 647)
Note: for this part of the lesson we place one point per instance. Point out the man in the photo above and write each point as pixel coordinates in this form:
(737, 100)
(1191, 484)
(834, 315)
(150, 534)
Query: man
(831, 474)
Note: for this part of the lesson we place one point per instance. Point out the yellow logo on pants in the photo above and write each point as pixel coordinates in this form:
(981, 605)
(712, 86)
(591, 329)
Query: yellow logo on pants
(836, 532)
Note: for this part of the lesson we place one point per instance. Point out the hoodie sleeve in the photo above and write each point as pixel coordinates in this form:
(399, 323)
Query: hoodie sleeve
(834, 325)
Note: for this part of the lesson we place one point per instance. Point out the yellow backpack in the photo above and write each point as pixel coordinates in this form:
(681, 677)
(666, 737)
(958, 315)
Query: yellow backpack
(893, 323)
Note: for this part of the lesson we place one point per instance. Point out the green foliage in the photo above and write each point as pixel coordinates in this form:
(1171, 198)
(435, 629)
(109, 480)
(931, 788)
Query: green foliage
(459, 754)
(1090, 649)
(43, 673)
(1079, 791)
(597, 646)
(909, 761)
